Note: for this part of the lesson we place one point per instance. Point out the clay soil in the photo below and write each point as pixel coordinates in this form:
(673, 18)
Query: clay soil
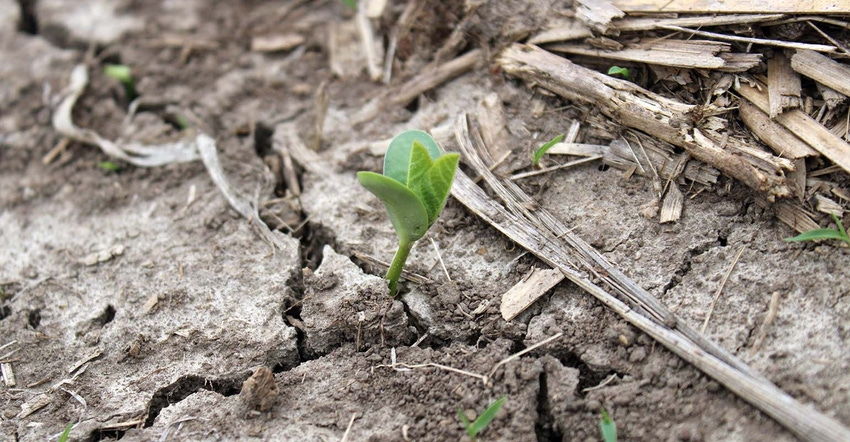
(135, 303)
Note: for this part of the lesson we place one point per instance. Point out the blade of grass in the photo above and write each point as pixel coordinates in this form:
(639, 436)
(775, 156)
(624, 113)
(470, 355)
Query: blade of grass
(608, 427)
(542, 151)
(487, 416)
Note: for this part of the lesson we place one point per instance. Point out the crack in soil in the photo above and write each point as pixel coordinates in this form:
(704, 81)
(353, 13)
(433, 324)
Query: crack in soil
(227, 385)
(544, 427)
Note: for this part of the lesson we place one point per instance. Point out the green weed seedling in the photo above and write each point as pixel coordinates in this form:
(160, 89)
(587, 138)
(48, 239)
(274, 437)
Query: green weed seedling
(840, 233)
(616, 71)
(109, 166)
(538, 154)
(124, 75)
(64, 436)
(414, 189)
(476, 427)
(608, 427)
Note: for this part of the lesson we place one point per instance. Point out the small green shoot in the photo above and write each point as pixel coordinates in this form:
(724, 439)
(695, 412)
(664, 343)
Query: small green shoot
(608, 427)
(124, 75)
(350, 3)
(840, 233)
(109, 166)
(616, 71)
(64, 436)
(544, 148)
(473, 428)
(414, 188)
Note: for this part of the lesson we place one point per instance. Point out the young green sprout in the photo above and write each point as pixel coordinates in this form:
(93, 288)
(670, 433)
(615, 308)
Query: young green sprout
(608, 427)
(538, 154)
(414, 188)
(480, 423)
(124, 75)
(616, 71)
(811, 235)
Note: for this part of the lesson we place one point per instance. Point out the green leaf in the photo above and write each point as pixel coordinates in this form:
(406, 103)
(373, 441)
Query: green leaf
(812, 235)
(64, 436)
(109, 166)
(397, 159)
(615, 71)
(404, 208)
(544, 148)
(486, 417)
(124, 75)
(465, 421)
(350, 3)
(608, 427)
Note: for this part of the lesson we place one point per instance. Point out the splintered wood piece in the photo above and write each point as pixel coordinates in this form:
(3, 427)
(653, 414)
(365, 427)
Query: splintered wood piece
(831, 97)
(276, 42)
(825, 205)
(494, 122)
(430, 78)
(736, 7)
(371, 45)
(635, 107)
(568, 29)
(578, 149)
(777, 137)
(807, 129)
(783, 85)
(525, 292)
(696, 54)
(9, 374)
(758, 41)
(597, 14)
(822, 69)
(790, 213)
(671, 207)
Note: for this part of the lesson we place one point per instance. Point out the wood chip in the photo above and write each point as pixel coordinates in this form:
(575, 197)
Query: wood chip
(528, 290)
(494, 122)
(735, 7)
(8, 374)
(695, 54)
(774, 135)
(822, 69)
(824, 204)
(34, 404)
(783, 85)
(597, 14)
(276, 43)
(671, 207)
(807, 129)
(569, 29)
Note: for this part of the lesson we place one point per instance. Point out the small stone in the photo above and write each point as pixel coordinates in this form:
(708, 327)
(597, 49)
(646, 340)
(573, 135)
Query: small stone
(260, 390)
(638, 355)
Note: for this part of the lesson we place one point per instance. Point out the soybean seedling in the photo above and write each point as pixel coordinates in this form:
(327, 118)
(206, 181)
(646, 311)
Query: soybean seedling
(840, 233)
(414, 189)
(538, 154)
(608, 427)
(480, 423)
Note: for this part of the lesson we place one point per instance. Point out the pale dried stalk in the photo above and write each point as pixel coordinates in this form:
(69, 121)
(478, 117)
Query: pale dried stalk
(807, 424)
(822, 69)
(405, 93)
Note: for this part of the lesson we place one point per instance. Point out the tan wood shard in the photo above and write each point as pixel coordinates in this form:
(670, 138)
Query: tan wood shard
(671, 207)
(822, 69)
(776, 136)
(806, 128)
(597, 14)
(568, 29)
(528, 290)
(783, 85)
(695, 54)
(736, 7)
